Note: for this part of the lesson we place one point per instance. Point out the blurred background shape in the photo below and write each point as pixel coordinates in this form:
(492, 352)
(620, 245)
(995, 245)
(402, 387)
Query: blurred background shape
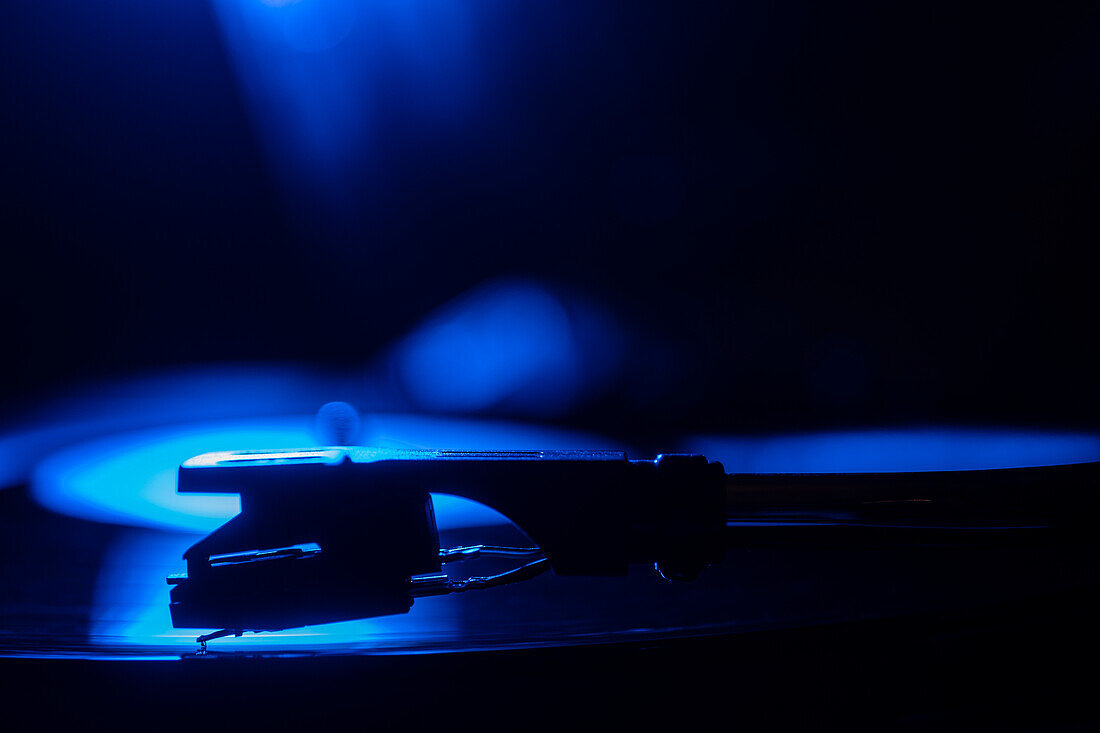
(510, 345)
(646, 221)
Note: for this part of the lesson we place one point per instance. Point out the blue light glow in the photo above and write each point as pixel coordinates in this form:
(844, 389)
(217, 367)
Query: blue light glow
(312, 26)
(924, 449)
(511, 339)
(196, 393)
(130, 478)
(313, 73)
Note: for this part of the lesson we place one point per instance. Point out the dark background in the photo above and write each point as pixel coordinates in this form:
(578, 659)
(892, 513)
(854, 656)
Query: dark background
(836, 214)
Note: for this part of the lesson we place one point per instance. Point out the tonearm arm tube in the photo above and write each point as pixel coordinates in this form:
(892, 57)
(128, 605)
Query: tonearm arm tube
(340, 533)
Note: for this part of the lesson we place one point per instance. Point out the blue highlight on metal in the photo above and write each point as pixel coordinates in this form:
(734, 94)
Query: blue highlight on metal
(130, 610)
(914, 449)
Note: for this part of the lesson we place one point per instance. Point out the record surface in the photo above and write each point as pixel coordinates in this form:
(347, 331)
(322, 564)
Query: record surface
(91, 534)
